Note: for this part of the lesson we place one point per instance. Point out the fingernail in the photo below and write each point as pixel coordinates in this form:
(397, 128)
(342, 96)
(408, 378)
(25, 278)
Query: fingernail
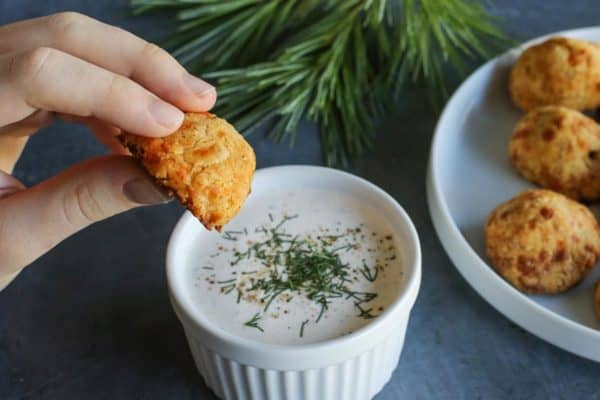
(198, 86)
(165, 114)
(143, 191)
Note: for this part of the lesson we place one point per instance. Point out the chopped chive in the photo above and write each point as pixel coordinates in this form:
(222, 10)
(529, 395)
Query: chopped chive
(253, 322)
(228, 288)
(366, 314)
(323, 308)
(228, 236)
(344, 247)
(302, 328)
(285, 219)
(273, 296)
(366, 272)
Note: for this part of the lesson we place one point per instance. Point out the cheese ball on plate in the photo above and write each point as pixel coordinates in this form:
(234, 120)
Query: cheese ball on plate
(542, 242)
(559, 149)
(559, 71)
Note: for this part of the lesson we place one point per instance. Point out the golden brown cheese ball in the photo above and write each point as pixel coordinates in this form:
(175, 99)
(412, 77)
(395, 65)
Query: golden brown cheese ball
(559, 71)
(597, 299)
(559, 149)
(206, 163)
(542, 242)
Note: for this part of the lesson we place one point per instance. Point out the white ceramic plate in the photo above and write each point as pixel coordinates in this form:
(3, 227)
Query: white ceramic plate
(469, 175)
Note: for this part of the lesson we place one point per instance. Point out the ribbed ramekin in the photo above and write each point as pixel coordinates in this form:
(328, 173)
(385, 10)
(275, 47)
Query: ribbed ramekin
(351, 367)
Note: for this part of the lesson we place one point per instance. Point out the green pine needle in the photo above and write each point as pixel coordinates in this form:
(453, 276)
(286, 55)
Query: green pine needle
(338, 63)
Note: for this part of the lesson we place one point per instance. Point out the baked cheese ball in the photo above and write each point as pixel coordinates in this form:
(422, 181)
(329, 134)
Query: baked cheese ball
(559, 71)
(206, 163)
(542, 242)
(559, 149)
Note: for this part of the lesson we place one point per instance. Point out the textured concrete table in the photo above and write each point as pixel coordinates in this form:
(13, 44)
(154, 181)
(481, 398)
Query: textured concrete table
(91, 319)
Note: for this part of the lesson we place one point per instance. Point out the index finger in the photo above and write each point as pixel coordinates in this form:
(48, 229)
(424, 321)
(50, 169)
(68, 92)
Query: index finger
(113, 49)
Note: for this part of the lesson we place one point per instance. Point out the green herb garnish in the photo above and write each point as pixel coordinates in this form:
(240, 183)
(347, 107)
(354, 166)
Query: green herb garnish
(366, 314)
(230, 235)
(228, 288)
(323, 309)
(303, 265)
(253, 322)
(302, 328)
(366, 272)
(273, 297)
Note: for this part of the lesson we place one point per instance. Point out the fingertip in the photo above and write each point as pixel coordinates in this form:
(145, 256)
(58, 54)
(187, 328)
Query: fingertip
(198, 86)
(209, 99)
(204, 93)
(167, 118)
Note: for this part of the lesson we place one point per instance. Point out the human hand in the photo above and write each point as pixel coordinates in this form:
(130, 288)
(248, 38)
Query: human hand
(80, 69)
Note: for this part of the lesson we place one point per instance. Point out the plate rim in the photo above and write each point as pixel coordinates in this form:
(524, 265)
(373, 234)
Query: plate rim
(554, 327)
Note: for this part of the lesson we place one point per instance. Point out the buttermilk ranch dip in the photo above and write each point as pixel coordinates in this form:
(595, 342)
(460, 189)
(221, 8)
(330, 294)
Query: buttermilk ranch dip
(298, 267)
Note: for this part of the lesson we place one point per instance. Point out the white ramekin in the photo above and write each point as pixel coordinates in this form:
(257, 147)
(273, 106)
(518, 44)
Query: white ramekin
(355, 366)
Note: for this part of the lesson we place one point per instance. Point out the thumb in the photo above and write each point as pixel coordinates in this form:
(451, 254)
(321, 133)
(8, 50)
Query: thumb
(35, 220)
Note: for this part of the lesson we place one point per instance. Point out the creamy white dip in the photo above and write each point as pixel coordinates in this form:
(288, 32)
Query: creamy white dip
(291, 318)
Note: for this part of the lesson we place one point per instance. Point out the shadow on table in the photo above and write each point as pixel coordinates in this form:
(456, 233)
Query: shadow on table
(126, 345)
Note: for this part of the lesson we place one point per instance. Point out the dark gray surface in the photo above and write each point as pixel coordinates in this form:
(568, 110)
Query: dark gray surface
(91, 319)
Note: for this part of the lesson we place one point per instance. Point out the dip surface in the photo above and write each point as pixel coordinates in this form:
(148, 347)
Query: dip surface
(223, 269)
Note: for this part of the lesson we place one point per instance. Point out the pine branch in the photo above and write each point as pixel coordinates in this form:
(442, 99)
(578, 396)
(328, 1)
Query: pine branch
(338, 63)
(433, 36)
(214, 33)
(323, 74)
